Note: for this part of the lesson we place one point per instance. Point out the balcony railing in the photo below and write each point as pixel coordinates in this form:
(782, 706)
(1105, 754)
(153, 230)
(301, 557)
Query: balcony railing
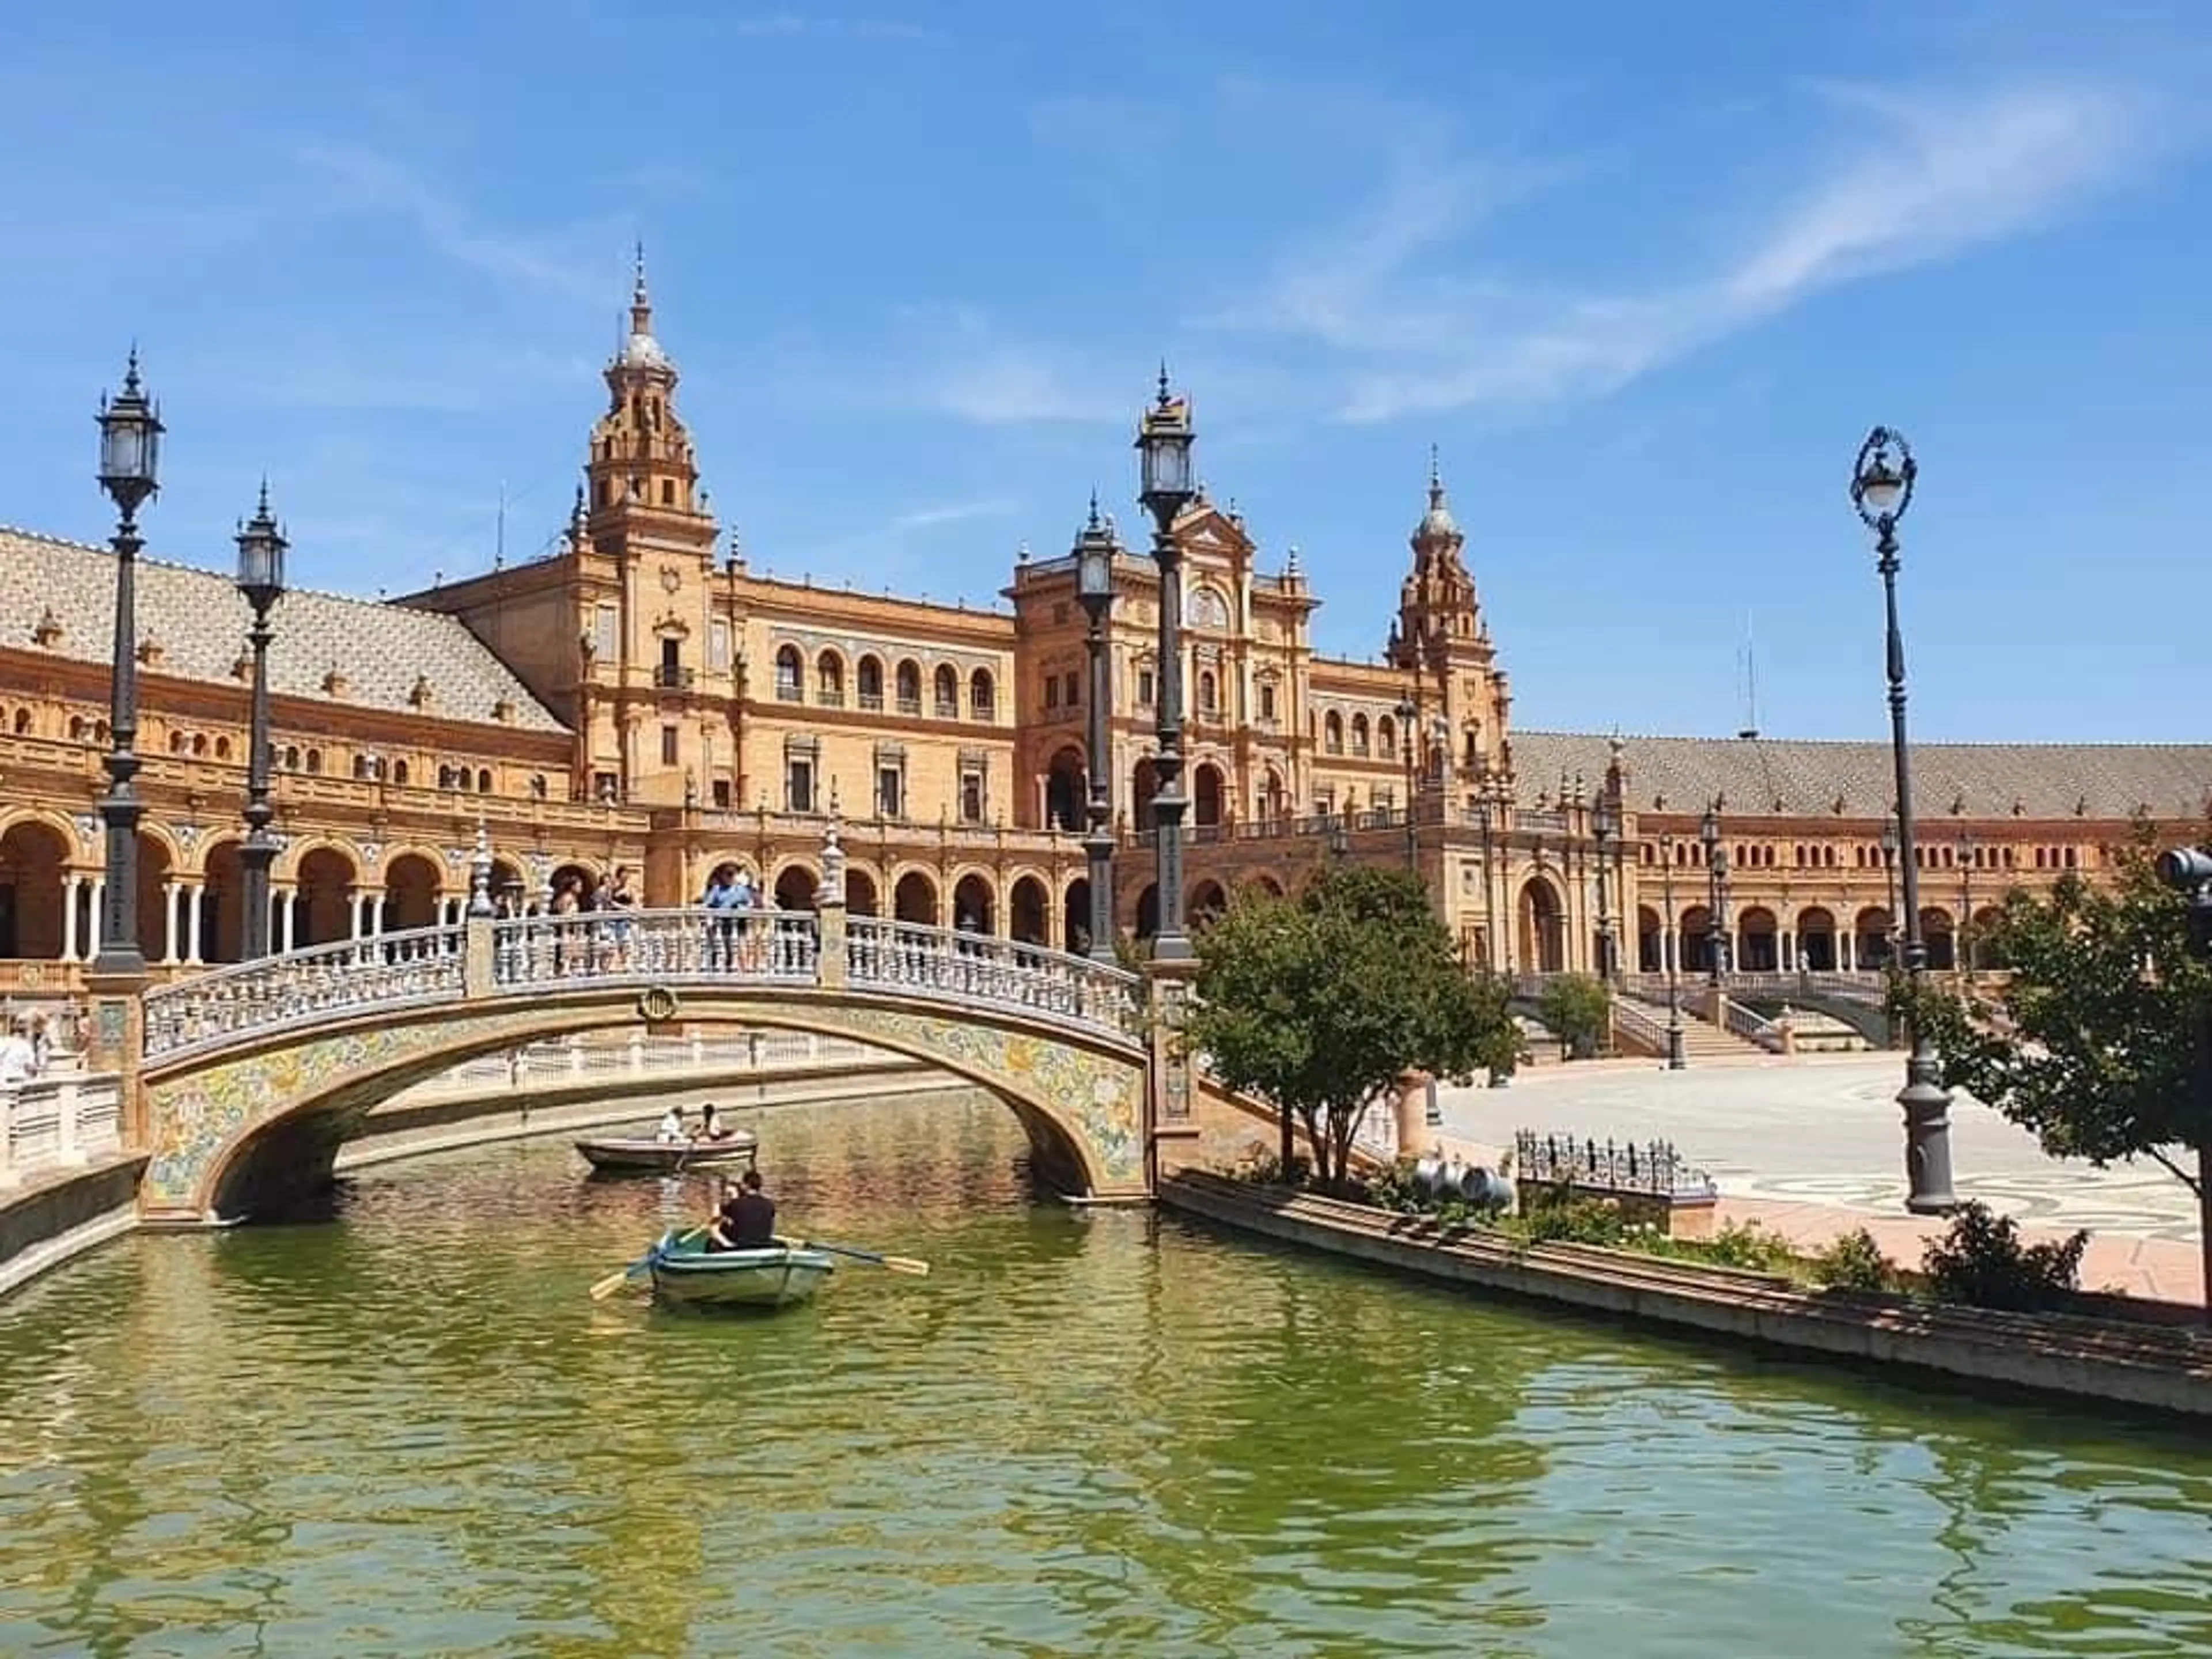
(674, 677)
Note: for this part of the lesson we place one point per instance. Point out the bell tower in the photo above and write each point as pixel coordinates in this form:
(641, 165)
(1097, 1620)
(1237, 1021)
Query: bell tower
(1441, 642)
(642, 474)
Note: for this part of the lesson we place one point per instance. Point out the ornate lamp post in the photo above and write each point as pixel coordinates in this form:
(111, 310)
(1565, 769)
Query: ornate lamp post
(1094, 589)
(1409, 715)
(1709, 832)
(130, 471)
(1484, 821)
(261, 549)
(1604, 825)
(1670, 942)
(1882, 490)
(1164, 437)
(1889, 883)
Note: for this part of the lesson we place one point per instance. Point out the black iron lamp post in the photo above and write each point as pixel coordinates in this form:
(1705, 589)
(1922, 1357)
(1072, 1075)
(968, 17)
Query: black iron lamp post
(130, 471)
(1409, 716)
(1670, 942)
(1889, 882)
(1484, 821)
(1882, 490)
(1094, 589)
(1164, 437)
(261, 549)
(1962, 936)
(1605, 826)
(1709, 832)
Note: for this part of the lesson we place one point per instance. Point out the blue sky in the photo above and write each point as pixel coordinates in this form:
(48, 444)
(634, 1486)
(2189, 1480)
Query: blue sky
(1644, 275)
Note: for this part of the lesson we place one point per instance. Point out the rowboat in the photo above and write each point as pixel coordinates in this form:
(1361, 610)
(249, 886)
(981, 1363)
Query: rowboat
(687, 1274)
(646, 1155)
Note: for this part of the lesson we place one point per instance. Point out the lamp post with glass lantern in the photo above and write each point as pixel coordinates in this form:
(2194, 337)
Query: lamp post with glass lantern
(261, 549)
(1605, 826)
(1164, 437)
(1709, 832)
(130, 471)
(1889, 884)
(1094, 589)
(1881, 489)
(1409, 717)
(1670, 941)
(1962, 936)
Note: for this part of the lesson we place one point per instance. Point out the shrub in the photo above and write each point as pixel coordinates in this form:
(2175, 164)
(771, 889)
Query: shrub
(1261, 1167)
(1981, 1263)
(1749, 1246)
(1577, 1221)
(1854, 1262)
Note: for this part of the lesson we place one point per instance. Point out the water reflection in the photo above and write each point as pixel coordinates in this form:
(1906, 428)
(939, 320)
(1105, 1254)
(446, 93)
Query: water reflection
(412, 1432)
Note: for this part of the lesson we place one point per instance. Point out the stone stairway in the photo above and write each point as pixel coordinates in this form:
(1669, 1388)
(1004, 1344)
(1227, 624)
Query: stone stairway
(1701, 1038)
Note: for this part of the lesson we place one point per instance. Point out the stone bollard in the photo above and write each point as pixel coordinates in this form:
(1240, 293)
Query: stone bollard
(1410, 1110)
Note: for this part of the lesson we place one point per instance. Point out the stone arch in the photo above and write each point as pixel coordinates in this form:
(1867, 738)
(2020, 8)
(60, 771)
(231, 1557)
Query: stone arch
(863, 895)
(1266, 883)
(1075, 915)
(829, 676)
(1693, 939)
(1332, 733)
(915, 899)
(909, 682)
(1209, 793)
(1386, 738)
(1816, 939)
(1208, 900)
(1759, 940)
(1870, 934)
(326, 875)
(1065, 786)
(414, 882)
(239, 1131)
(798, 885)
(158, 863)
(1148, 910)
(1939, 936)
(790, 674)
(1360, 741)
(945, 692)
(1274, 805)
(1028, 909)
(223, 905)
(34, 858)
(1650, 941)
(509, 886)
(1143, 785)
(975, 904)
(982, 693)
(1543, 929)
(868, 681)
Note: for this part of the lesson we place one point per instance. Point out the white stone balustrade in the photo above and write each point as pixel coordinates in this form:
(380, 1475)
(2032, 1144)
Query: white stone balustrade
(644, 1055)
(486, 958)
(60, 1120)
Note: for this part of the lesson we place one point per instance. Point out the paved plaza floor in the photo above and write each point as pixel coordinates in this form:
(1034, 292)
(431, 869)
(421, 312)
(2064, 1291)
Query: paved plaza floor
(1815, 1146)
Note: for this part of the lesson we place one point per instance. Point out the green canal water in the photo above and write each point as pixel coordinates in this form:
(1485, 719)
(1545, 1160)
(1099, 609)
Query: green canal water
(408, 1431)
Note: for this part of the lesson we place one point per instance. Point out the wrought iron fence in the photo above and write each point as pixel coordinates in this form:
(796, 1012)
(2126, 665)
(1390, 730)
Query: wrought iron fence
(1652, 1169)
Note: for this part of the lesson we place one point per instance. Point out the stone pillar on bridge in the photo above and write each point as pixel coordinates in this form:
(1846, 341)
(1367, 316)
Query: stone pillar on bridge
(831, 971)
(115, 1041)
(479, 969)
(1172, 1089)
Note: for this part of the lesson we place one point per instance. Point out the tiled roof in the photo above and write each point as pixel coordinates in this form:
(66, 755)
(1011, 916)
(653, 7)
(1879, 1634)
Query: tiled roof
(1799, 779)
(199, 620)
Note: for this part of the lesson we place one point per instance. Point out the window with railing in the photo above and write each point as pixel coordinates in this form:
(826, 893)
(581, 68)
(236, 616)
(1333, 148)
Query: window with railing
(982, 696)
(868, 683)
(948, 693)
(790, 684)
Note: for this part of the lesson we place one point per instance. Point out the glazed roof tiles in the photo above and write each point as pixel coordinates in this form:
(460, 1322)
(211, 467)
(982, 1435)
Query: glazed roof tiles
(199, 619)
(1798, 778)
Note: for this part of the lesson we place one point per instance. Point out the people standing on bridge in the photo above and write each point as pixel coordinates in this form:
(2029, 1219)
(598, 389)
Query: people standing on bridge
(18, 1060)
(569, 950)
(720, 900)
(619, 898)
(746, 1220)
(746, 899)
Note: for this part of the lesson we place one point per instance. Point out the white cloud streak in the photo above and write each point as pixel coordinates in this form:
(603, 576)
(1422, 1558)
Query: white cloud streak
(1390, 295)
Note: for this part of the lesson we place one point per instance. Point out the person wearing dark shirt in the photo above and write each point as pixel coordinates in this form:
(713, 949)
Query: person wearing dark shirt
(747, 1218)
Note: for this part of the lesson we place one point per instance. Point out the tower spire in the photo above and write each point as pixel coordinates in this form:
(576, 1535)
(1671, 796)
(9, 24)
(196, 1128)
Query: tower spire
(640, 303)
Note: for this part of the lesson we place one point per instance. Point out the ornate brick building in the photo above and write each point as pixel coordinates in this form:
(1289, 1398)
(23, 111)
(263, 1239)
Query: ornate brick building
(638, 697)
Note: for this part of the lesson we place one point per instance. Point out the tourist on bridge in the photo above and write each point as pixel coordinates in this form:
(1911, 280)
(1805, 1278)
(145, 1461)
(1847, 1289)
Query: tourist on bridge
(19, 1059)
(746, 1220)
(722, 897)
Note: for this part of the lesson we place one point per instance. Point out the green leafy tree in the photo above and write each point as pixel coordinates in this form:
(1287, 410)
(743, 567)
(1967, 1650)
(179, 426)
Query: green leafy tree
(1577, 1010)
(2096, 1043)
(1320, 1000)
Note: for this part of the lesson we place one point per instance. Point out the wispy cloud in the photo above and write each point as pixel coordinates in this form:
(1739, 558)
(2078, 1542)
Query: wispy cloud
(1417, 329)
(932, 517)
(370, 182)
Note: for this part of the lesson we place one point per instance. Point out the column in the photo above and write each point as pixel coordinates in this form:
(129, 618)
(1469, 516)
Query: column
(170, 929)
(288, 909)
(195, 921)
(72, 885)
(355, 928)
(99, 903)
(376, 914)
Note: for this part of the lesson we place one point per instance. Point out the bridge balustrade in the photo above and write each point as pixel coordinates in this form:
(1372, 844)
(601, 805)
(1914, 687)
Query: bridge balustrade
(487, 957)
(61, 1119)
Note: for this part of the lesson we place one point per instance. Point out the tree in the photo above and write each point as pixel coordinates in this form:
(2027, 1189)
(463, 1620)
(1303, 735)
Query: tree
(1577, 1010)
(2097, 1044)
(1320, 1001)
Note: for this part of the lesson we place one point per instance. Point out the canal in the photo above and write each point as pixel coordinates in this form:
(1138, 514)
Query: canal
(408, 1431)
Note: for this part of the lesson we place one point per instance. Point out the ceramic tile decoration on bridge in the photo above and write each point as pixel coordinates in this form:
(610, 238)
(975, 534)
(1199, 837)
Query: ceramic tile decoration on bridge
(302, 1043)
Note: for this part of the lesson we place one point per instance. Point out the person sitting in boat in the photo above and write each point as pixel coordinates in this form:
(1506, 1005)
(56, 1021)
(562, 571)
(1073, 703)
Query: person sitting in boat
(711, 1127)
(747, 1219)
(671, 1125)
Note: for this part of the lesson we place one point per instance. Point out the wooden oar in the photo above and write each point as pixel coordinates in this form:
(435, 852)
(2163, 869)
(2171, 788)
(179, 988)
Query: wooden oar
(613, 1282)
(897, 1264)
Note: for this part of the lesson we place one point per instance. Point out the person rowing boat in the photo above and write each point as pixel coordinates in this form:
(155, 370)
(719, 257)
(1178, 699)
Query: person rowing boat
(746, 1220)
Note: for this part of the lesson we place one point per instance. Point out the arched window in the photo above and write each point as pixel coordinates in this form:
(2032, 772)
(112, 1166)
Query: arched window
(982, 695)
(830, 679)
(1359, 734)
(1386, 738)
(1209, 693)
(176, 743)
(22, 722)
(399, 773)
(910, 687)
(1332, 733)
(484, 781)
(790, 687)
(199, 745)
(291, 758)
(76, 728)
(948, 692)
(868, 678)
(222, 748)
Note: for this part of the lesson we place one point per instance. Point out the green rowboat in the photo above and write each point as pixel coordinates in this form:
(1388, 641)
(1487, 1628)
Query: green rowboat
(687, 1274)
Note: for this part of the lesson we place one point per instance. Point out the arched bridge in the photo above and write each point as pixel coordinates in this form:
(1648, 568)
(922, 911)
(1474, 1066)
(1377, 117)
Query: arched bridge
(251, 1077)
